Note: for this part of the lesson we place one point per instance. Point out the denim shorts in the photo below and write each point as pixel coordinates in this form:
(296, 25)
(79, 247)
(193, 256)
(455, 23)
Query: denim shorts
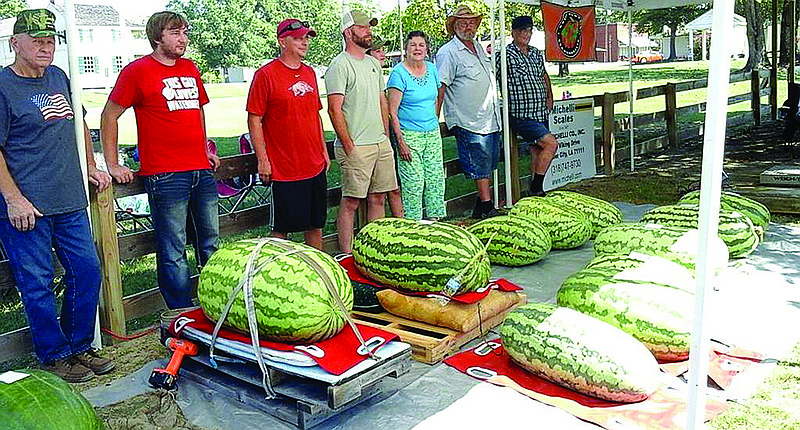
(530, 130)
(478, 153)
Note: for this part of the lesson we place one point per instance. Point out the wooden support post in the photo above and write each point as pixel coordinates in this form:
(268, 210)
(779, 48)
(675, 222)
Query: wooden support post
(671, 114)
(514, 165)
(755, 96)
(361, 215)
(609, 147)
(773, 73)
(792, 40)
(112, 311)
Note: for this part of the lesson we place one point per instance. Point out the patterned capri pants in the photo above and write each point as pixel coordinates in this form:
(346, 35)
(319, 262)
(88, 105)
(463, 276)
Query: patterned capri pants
(422, 178)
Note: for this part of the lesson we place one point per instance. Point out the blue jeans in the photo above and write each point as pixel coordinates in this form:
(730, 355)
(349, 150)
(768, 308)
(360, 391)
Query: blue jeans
(181, 204)
(31, 261)
(478, 153)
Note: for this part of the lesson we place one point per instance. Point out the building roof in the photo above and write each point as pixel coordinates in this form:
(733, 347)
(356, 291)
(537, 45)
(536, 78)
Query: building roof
(96, 15)
(703, 22)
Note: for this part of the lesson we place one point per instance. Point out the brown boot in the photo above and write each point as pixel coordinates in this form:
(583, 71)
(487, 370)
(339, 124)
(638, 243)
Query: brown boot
(69, 369)
(95, 362)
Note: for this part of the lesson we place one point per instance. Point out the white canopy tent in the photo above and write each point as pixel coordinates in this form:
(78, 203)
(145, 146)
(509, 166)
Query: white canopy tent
(713, 150)
(703, 23)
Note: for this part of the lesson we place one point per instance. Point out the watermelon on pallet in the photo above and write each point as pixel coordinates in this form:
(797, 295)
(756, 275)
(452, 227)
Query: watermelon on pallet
(515, 241)
(292, 302)
(657, 315)
(638, 267)
(579, 352)
(735, 229)
(599, 212)
(673, 243)
(421, 255)
(758, 213)
(568, 227)
(44, 401)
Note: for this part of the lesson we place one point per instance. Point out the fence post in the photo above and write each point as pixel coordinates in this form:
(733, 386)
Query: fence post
(608, 133)
(112, 311)
(514, 165)
(671, 114)
(755, 96)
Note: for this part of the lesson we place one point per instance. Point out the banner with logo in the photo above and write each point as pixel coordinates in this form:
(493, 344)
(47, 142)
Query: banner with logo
(568, 33)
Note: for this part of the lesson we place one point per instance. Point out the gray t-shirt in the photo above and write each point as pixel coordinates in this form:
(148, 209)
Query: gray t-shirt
(470, 101)
(37, 138)
(361, 83)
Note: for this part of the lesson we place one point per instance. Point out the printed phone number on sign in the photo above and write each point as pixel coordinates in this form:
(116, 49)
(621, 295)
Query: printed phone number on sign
(563, 166)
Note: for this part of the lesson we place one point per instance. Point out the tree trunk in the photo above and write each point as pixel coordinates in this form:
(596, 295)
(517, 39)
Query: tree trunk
(785, 34)
(563, 70)
(673, 29)
(755, 36)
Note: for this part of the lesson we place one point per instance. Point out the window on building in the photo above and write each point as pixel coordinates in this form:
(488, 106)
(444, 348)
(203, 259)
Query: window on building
(86, 34)
(87, 65)
(116, 64)
(116, 35)
(139, 34)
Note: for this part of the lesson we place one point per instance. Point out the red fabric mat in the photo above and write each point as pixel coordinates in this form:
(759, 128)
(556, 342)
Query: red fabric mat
(498, 284)
(723, 367)
(664, 410)
(336, 355)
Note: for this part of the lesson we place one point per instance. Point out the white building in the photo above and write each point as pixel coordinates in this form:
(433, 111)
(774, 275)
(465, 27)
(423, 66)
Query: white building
(699, 37)
(106, 43)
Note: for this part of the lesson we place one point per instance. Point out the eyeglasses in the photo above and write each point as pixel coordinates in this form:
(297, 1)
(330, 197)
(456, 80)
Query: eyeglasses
(296, 25)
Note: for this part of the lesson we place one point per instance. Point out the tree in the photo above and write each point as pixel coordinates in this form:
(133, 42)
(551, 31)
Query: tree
(225, 33)
(786, 30)
(755, 32)
(653, 21)
(10, 8)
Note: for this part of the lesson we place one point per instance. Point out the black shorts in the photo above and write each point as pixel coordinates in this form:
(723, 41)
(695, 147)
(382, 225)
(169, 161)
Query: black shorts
(299, 205)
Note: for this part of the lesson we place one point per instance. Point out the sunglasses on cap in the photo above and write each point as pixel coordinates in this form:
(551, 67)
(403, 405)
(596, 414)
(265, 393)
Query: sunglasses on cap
(296, 25)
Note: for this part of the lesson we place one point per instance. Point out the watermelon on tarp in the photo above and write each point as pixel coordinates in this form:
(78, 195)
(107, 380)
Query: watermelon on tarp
(292, 302)
(44, 401)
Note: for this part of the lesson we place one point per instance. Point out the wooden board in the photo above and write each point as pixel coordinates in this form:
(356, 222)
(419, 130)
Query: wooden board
(429, 343)
(782, 176)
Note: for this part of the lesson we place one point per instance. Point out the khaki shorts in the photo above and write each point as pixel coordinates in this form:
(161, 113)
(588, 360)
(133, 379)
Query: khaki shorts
(369, 169)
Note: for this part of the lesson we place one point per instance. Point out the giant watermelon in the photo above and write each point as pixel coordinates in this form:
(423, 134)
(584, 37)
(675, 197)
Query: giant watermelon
(421, 255)
(757, 212)
(291, 299)
(657, 315)
(599, 212)
(579, 352)
(674, 243)
(568, 227)
(43, 401)
(515, 241)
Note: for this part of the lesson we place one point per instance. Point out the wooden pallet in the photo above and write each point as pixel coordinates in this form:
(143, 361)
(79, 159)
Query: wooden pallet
(303, 402)
(429, 343)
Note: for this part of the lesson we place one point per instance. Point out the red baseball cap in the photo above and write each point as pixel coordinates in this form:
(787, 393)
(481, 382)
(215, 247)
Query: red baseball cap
(295, 28)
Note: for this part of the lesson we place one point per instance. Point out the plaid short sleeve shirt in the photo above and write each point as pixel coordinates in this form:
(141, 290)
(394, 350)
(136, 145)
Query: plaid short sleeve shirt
(527, 89)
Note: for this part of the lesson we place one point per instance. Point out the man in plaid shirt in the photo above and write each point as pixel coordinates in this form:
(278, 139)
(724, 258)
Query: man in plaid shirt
(530, 100)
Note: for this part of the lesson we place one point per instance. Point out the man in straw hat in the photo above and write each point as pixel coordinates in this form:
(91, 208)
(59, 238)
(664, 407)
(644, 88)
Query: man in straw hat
(44, 203)
(360, 116)
(470, 104)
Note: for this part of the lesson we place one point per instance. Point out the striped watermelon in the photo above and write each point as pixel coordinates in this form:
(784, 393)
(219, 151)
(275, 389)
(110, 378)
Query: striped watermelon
(291, 299)
(421, 255)
(674, 243)
(515, 241)
(579, 352)
(568, 227)
(659, 316)
(44, 401)
(638, 267)
(758, 213)
(599, 212)
(735, 229)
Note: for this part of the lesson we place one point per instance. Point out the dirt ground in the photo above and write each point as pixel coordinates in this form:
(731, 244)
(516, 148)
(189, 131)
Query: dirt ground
(659, 178)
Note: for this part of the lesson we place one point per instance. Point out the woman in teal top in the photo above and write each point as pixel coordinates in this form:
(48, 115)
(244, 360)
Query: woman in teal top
(413, 87)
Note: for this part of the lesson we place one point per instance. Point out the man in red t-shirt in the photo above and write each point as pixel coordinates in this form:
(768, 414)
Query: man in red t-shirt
(286, 130)
(167, 96)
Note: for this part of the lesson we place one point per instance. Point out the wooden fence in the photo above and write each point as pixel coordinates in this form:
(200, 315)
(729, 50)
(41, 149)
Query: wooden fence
(113, 248)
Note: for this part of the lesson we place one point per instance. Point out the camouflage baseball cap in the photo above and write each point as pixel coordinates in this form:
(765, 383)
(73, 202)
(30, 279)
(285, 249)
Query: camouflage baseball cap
(36, 23)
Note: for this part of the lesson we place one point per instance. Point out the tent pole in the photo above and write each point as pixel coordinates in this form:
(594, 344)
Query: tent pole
(630, 85)
(504, 89)
(71, 33)
(713, 151)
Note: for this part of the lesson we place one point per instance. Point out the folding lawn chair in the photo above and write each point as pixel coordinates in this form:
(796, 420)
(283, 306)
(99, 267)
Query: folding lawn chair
(234, 192)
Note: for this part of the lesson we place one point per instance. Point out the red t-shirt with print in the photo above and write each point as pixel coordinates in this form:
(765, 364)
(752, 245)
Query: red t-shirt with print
(167, 102)
(288, 100)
